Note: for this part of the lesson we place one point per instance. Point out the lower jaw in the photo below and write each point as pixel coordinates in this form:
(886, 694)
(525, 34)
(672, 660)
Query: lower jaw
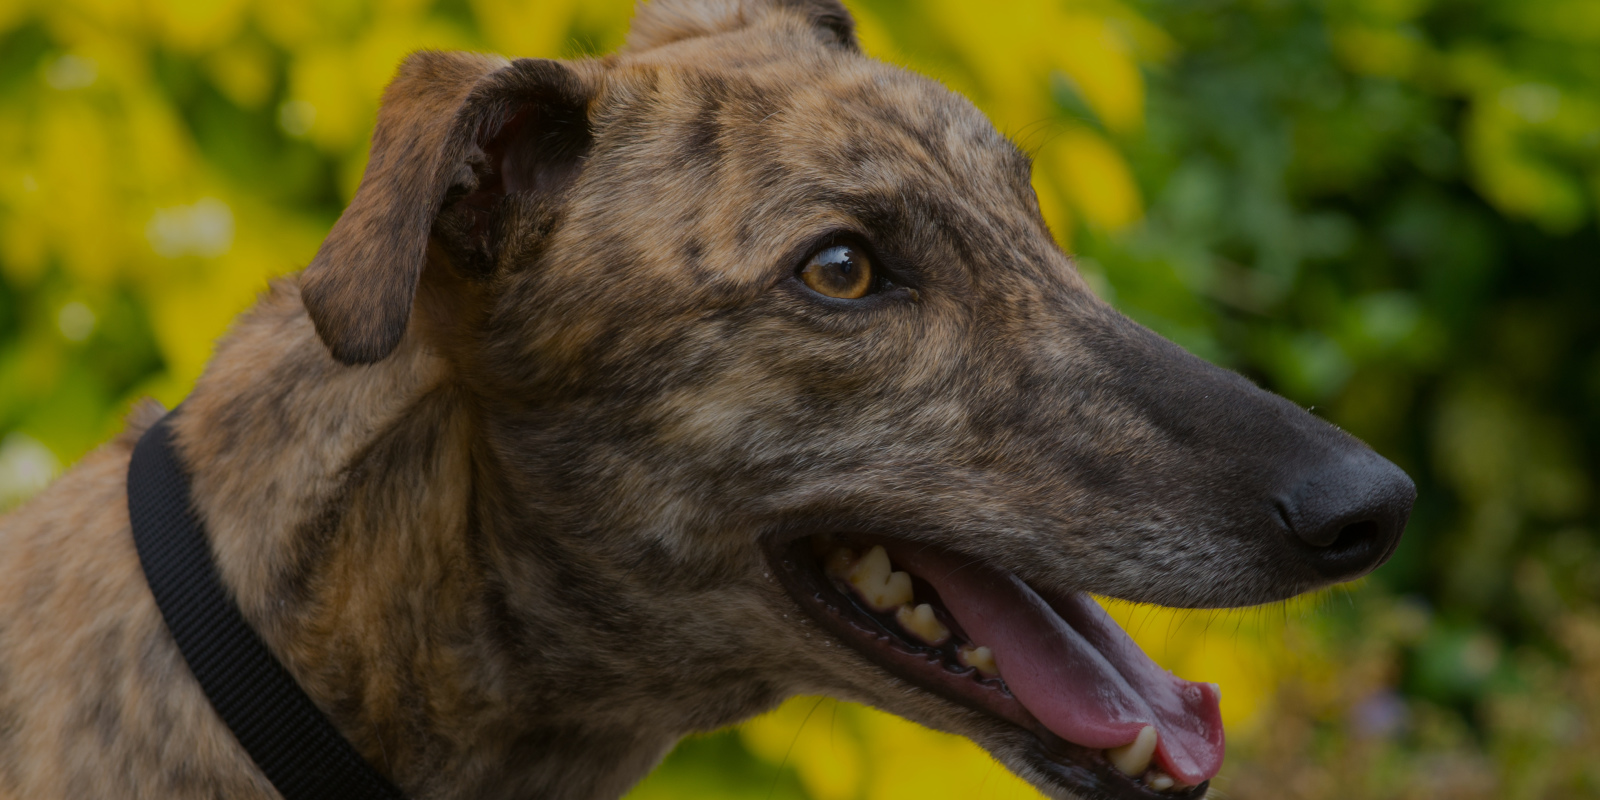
(1084, 771)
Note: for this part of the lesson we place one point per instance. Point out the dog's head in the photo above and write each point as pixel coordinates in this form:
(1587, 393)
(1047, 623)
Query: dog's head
(770, 347)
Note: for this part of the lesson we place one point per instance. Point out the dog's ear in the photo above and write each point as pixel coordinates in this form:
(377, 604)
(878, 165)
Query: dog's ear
(457, 130)
(665, 21)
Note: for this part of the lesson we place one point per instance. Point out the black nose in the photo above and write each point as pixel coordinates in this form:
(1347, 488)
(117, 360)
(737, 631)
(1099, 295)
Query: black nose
(1348, 513)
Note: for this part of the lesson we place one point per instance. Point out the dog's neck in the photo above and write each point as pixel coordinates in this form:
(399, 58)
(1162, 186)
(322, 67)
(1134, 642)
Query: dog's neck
(350, 515)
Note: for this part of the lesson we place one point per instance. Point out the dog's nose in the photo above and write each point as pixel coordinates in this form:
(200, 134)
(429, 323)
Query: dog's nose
(1348, 513)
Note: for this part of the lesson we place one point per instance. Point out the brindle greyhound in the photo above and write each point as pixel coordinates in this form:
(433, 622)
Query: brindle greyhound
(631, 396)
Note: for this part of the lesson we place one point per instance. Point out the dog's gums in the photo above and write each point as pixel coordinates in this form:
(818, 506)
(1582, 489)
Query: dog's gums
(952, 626)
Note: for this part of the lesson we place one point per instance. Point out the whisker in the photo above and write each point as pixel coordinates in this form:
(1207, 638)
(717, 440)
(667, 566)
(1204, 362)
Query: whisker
(778, 776)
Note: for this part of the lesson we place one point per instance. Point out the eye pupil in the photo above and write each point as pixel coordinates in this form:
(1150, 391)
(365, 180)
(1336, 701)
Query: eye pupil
(839, 271)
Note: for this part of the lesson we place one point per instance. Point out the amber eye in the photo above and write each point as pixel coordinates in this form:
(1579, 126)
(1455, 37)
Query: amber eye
(840, 271)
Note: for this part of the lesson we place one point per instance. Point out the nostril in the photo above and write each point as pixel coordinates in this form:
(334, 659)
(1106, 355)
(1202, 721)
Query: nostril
(1284, 518)
(1355, 535)
(1348, 513)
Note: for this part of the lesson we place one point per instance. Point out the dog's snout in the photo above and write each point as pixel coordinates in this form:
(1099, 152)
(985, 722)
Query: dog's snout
(1348, 513)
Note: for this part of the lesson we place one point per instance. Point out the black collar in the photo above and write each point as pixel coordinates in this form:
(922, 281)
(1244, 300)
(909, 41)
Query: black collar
(295, 746)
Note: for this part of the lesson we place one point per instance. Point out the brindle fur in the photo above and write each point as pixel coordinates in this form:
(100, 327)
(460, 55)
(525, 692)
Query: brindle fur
(505, 518)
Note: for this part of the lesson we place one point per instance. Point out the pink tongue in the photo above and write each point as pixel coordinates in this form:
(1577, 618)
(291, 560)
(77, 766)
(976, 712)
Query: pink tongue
(1074, 669)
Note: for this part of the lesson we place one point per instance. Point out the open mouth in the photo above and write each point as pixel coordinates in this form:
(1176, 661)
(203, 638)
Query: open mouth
(1105, 720)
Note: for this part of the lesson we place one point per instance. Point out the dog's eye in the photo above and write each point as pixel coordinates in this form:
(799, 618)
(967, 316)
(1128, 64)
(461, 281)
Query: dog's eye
(839, 271)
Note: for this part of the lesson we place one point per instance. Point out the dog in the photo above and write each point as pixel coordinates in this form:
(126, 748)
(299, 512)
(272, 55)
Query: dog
(632, 395)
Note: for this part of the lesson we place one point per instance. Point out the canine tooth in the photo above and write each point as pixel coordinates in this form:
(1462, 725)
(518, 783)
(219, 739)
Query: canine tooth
(1161, 781)
(921, 622)
(878, 584)
(979, 658)
(1133, 758)
(839, 562)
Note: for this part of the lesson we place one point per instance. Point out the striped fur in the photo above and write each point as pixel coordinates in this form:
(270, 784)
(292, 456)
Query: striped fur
(494, 474)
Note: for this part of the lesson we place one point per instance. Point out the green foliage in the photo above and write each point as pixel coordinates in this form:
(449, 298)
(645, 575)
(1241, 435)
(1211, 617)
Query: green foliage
(1326, 221)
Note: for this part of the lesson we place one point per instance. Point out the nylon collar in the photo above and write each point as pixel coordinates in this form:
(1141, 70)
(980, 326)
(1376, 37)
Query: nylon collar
(297, 748)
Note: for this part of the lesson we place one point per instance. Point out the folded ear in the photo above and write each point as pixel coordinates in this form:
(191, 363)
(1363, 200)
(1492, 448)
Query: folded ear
(458, 129)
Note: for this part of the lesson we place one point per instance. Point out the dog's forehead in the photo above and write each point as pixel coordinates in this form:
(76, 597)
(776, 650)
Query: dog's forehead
(735, 154)
(849, 118)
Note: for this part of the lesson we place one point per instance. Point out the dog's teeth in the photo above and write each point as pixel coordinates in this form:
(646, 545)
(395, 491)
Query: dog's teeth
(874, 566)
(979, 658)
(872, 569)
(1133, 758)
(839, 562)
(921, 622)
(878, 584)
(897, 591)
(1161, 781)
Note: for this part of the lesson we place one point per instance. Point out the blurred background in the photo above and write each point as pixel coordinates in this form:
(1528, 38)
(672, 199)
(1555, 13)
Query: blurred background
(1383, 209)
